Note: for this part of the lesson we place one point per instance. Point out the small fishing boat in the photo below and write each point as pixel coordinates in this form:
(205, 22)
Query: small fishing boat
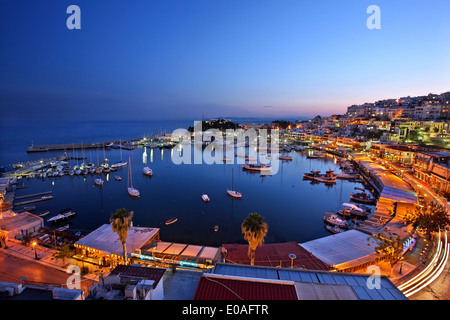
(234, 194)
(147, 171)
(256, 168)
(334, 229)
(311, 175)
(205, 198)
(335, 220)
(328, 177)
(171, 220)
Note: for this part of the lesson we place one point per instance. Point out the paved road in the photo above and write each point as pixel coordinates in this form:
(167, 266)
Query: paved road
(13, 268)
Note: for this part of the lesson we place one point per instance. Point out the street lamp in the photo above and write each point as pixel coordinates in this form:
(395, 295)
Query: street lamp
(35, 253)
(401, 264)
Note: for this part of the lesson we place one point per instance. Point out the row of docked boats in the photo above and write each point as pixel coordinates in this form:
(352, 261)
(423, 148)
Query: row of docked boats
(335, 223)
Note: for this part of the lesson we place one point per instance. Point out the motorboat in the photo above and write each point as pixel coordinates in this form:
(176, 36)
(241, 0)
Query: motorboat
(29, 208)
(117, 178)
(333, 229)
(47, 197)
(43, 214)
(64, 215)
(118, 164)
(325, 179)
(216, 228)
(171, 220)
(335, 220)
(352, 209)
(256, 168)
(362, 197)
(205, 198)
(312, 156)
(285, 157)
(99, 181)
(147, 171)
(62, 228)
(234, 194)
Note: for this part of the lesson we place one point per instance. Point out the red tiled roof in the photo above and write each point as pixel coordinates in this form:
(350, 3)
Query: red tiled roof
(145, 273)
(211, 288)
(273, 254)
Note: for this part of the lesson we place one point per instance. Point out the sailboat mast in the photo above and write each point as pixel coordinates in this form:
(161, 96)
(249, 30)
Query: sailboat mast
(131, 176)
(232, 179)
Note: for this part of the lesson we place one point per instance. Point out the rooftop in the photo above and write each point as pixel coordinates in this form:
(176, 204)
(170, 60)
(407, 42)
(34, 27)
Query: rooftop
(19, 220)
(274, 254)
(133, 272)
(255, 282)
(106, 240)
(343, 250)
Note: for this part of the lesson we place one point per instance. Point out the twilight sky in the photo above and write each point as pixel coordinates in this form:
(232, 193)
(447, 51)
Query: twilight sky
(162, 59)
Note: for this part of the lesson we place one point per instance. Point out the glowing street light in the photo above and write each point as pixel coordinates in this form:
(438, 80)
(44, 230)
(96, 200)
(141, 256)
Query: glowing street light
(35, 253)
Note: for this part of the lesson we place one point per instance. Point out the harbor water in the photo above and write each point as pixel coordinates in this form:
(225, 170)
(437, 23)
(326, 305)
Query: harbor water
(293, 207)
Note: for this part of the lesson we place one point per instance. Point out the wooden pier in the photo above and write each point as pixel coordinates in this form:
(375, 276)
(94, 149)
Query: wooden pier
(32, 201)
(69, 147)
(34, 195)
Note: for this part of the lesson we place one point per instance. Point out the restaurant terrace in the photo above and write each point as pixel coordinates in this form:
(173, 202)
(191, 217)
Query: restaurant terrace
(103, 247)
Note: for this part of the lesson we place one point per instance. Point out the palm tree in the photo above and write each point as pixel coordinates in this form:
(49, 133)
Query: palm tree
(121, 223)
(254, 230)
(62, 254)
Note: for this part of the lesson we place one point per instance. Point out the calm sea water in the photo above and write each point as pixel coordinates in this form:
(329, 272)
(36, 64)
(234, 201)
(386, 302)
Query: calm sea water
(292, 207)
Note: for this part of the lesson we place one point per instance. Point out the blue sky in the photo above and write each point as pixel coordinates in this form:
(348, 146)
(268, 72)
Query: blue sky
(232, 58)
